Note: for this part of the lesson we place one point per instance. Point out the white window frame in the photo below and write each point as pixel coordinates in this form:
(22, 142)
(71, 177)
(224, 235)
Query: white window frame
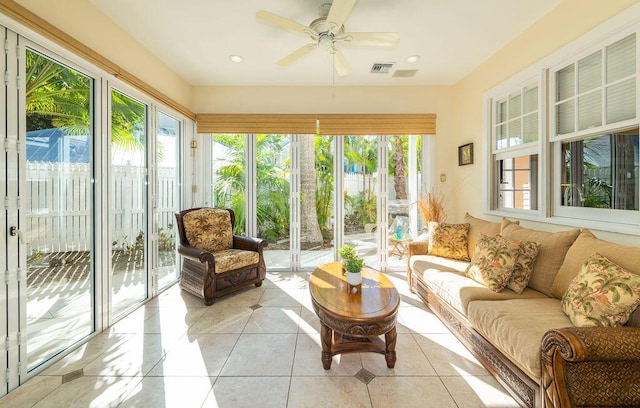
(607, 33)
(526, 79)
(573, 59)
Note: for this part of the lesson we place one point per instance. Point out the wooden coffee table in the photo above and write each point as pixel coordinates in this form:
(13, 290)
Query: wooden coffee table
(353, 322)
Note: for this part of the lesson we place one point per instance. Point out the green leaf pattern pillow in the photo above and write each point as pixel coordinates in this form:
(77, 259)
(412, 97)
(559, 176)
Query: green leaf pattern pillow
(602, 294)
(493, 261)
(523, 266)
(449, 240)
(209, 229)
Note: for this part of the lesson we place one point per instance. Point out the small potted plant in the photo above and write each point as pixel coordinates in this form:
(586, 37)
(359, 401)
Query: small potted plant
(352, 263)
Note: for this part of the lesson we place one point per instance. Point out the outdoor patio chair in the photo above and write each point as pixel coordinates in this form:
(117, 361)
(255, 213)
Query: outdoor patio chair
(216, 262)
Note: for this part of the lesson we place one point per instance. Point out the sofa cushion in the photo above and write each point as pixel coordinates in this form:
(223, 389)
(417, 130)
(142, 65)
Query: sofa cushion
(230, 259)
(516, 327)
(478, 226)
(552, 249)
(458, 291)
(523, 266)
(421, 263)
(603, 294)
(209, 229)
(449, 240)
(585, 245)
(493, 261)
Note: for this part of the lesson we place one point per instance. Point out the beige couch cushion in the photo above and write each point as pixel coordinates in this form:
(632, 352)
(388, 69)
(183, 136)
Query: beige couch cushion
(421, 263)
(551, 252)
(458, 291)
(586, 244)
(516, 327)
(479, 226)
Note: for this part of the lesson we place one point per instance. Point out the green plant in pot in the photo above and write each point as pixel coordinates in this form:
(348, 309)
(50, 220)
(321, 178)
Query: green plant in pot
(352, 263)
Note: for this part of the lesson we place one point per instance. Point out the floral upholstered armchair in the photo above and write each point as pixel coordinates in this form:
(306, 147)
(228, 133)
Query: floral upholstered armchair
(216, 262)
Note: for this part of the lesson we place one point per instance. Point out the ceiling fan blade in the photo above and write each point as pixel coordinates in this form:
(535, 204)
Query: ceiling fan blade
(297, 54)
(340, 64)
(372, 39)
(282, 22)
(339, 12)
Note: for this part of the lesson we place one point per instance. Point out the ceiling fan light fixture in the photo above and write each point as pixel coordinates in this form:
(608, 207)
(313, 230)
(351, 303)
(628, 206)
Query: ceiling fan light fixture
(412, 59)
(236, 58)
(326, 42)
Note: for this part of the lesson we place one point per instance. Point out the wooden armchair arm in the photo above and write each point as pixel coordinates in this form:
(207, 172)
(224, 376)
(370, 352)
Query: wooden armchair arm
(591, 366)
(195, 253)
(249, 243)
(418, 248)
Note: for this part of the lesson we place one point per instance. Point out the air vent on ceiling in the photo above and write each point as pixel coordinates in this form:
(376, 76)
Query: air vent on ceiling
(405, 73)
(381, 68)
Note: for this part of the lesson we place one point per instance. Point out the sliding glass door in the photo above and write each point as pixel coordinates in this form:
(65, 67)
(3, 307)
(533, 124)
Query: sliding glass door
(128, 202)
(308, 194)
(166, 198)
(59, 204)
(360, 166)
(273, 178)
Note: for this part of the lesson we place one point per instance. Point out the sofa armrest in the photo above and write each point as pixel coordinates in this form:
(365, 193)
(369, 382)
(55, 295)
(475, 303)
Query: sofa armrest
(418, 248)
(591, 366)
(249, 243)
(195, 253)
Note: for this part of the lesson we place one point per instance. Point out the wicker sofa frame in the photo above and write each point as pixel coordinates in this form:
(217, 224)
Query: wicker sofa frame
(581, 367)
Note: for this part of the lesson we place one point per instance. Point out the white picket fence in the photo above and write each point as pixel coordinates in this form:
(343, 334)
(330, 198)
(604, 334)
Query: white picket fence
(59, 205)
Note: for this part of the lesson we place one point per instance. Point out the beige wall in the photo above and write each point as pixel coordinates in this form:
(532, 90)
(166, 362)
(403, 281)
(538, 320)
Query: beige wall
(465, 185)
(86, 23)
(428, 99)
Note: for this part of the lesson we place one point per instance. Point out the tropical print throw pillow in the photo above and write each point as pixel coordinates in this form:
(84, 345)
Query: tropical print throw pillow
(493, 261)
(449, 240)
(523, 266)
(602, 294)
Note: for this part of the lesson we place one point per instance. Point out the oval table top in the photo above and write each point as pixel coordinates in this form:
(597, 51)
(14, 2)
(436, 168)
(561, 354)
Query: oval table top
(377, 298)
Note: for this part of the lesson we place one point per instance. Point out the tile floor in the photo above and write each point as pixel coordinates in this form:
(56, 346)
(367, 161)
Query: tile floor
(259, 348)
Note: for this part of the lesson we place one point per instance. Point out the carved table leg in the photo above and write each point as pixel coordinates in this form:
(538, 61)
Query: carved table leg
(325, 338)
(390, 350)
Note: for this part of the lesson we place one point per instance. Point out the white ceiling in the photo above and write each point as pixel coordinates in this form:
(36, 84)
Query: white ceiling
(196, 37)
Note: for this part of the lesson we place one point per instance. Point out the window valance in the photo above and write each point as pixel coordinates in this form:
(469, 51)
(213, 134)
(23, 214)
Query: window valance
(325, 124)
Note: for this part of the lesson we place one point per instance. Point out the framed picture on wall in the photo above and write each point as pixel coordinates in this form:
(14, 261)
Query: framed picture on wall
(465, 154)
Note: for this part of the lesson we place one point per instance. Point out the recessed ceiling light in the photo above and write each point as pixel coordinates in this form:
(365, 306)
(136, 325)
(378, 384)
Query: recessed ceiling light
(236, 58)
(413, 58)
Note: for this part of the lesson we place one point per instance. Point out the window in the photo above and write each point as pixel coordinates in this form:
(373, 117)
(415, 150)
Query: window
(591, 153)
(597, 90)
(517, 118)
(601, 172)
(517, 182)
(516, 135)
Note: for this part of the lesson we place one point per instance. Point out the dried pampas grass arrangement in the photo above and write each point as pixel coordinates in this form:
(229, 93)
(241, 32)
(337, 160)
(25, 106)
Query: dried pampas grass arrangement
(432, 207)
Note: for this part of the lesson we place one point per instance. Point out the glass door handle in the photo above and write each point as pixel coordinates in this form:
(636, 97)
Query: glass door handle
(13, 231)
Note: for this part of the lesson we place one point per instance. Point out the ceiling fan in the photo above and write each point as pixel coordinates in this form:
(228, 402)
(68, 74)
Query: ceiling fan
(327, 32)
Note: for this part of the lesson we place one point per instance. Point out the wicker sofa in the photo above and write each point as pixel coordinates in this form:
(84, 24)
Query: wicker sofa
(526, 340)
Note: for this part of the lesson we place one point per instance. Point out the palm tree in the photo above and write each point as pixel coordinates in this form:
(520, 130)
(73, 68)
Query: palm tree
(398, 167)
(324, 178)
(57, 96)
(310, 234)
